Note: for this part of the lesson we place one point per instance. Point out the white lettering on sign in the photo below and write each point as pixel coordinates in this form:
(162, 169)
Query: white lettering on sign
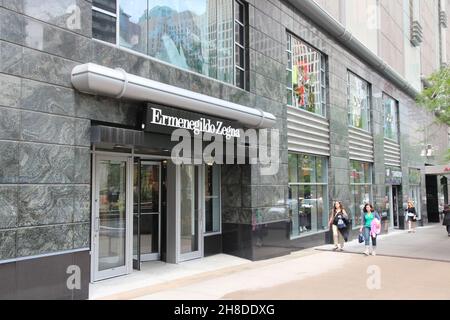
(201, 125)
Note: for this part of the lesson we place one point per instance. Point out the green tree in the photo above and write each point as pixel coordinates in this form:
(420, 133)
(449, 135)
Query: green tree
(436, 97)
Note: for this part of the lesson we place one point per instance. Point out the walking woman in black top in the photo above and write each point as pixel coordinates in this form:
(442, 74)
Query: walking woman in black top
(339, 225)
(412, 217)
(446, 221)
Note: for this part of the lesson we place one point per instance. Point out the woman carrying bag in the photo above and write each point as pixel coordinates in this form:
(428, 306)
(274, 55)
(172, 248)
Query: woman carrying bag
(370, 228)
(339, 225)
(412, 217)
(446, 221)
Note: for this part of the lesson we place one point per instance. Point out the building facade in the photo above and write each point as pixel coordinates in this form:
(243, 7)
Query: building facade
(88, 188)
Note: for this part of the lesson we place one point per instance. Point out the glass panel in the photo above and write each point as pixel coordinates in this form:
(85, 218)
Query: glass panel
(358, 102)
(289, 61)
(414, 176)
(240, 56)
(361, 194)
(108, 5)
(225, 41)
(240, 78)
(133, 25)
(390, 118)
(150, 198)
(103, 27)
(149, 233)
(189, 209)
(293, 167)
(188, 34)
(150, 188)
(239, 11)
(293, 201)
(288, 41)
(307, 207)
(212, 199)
(307, 169)
(386, 208)
(308, 203)
(112, 214)
(321, 170)
(306, 79)
(360, 172)
(289, 97)
(289, 79)
(322, 208)
(239, 33)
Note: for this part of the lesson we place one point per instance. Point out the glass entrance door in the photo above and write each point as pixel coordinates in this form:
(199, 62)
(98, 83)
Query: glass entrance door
(395, 207)
(190, 212)
(146, 211)
(111, 217)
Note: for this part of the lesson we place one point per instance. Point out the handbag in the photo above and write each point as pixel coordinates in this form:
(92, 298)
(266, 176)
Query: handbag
(341, 224)
(361, 238)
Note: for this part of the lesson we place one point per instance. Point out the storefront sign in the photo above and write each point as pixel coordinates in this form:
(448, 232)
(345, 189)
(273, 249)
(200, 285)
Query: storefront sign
(164, 120)
(393, 176)
(442, 170)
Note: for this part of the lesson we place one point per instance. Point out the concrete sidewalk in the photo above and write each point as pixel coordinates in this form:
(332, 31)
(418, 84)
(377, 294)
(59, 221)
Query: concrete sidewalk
(430, 243)
(411, 266)
(158, 273)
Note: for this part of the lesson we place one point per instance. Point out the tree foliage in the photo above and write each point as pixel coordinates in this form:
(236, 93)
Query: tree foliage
(436, 97)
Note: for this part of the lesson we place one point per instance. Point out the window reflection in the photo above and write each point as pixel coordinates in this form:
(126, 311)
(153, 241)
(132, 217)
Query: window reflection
(133, 25)
(305, 76)
(196, 35)
(103, 27)
(360, 187)
(390, 118)
(358, 102)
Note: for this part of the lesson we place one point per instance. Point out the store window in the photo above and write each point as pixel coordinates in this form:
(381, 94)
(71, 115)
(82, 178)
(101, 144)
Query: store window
(212, 199)
(360, 189)
(390, 118)
(414, 188)
(308, 194)
(209, 37)
(358, 94)
(305, 76)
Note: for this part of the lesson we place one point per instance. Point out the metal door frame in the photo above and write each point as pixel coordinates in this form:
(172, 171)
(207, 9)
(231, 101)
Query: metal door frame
(154, 256)
(200, 198)
(127, 268)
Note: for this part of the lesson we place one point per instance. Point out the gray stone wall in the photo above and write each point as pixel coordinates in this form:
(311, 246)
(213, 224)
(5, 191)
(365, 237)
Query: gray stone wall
(45, 161)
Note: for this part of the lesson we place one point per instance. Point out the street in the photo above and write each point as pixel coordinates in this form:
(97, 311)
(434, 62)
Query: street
(407, 266)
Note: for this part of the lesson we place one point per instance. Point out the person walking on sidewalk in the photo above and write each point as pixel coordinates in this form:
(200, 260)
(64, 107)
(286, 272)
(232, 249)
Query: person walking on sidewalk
(412, 217)
(446, 221)
(339, 225)
(371, 226)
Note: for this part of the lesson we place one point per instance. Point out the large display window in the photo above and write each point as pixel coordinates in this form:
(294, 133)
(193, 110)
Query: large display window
(305, 76)
(208, 37)
(358, 95)
(308, 194)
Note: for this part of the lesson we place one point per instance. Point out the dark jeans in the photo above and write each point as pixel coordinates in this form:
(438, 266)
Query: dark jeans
(367, 238)
(448, 229)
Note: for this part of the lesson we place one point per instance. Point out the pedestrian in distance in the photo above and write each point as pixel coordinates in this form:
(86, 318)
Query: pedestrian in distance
(339, 225)
(371, 227)
(411, 216)
(446, 220)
